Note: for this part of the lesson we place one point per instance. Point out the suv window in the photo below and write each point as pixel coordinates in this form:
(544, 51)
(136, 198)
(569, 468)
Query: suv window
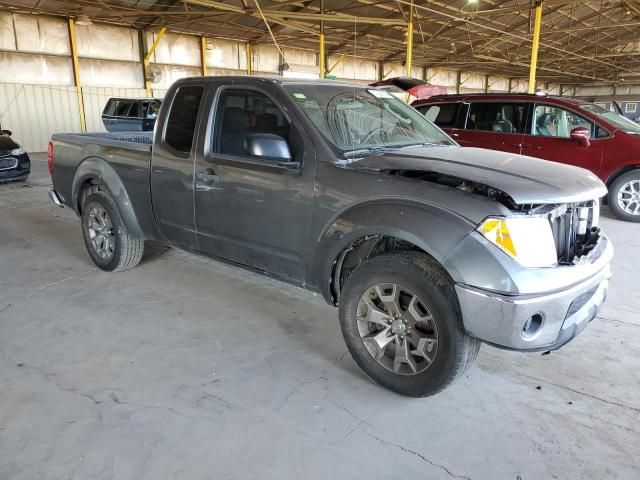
(551, 121)
(496, 117)
(242, 112)
(110, 109)
(442, 114)
(134, 111)
(181, 123)
(122, 107)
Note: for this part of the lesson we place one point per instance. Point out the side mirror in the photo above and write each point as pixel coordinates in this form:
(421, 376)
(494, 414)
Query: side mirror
(581, 136)
(267, 146)
(6, 132)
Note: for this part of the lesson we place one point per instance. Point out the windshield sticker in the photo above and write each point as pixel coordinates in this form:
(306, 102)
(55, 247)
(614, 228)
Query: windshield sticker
(300, 96)
(380, 93)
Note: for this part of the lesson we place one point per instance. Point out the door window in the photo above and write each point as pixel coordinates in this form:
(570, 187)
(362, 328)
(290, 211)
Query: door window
(496, 117)
(550, 121)
(110, 109)
(122, 107)
(243, 112)
(134, 111)
(442, 114)
(181, 123)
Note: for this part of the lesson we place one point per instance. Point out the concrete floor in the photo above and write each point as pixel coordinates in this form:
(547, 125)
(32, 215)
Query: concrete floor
(189, 369)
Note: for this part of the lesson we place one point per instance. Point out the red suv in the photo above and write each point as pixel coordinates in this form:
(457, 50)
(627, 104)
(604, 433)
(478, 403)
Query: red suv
(553, 128)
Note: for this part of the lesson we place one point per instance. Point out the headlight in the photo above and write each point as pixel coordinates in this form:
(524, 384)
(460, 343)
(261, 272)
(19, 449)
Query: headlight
(528, 240)
(17, 151)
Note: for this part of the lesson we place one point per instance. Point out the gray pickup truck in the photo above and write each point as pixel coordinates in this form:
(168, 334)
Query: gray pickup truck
(427, 248)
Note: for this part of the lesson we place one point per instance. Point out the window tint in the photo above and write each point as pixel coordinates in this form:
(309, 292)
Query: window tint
(181, 123)
(151, 109)
(134, 111)
(497, 117)
(552, 121)
(442, 114)
(122, 108)
(243, 112)
(110, 109)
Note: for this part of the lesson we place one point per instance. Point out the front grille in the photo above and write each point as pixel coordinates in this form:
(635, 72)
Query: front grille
(7, 163)
(573, 230)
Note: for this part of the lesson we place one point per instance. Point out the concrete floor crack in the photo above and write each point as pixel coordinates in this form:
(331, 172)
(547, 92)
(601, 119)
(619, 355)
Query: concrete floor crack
(39, 290)
(600, 399)
(417, 454)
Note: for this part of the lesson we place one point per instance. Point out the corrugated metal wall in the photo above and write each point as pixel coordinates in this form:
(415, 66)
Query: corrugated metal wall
(34, 112)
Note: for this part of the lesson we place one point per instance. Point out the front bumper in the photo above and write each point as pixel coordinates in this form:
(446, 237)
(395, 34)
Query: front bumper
(538, 321)
(14, 168)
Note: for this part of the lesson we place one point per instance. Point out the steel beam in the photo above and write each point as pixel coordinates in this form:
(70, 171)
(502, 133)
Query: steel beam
(409, 55)
(534, 47)
(76, 74)
(322, 55)
(203, 55)
(249, 59)
(147, 59)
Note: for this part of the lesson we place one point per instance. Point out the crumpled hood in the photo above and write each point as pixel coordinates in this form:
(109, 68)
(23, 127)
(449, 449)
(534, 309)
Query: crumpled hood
(525, 179)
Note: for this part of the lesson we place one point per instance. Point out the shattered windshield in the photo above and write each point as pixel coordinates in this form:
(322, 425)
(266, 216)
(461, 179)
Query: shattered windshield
(358, 120)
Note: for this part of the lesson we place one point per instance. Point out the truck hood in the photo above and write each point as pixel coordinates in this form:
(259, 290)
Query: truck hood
(527, 180)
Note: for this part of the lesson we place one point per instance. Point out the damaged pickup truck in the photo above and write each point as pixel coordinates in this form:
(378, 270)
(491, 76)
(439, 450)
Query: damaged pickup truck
(427, 248)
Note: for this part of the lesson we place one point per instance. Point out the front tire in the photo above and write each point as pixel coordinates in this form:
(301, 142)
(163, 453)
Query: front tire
(109, 243)
(401, 321)
(624, 196)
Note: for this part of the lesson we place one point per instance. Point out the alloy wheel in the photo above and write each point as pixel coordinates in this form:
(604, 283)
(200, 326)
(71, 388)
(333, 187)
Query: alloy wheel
(397, 329)
(629, 197)
(101, 232)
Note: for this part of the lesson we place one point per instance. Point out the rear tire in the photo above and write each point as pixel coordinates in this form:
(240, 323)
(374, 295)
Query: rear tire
(106, 237)
(412, 358)
(624, 196)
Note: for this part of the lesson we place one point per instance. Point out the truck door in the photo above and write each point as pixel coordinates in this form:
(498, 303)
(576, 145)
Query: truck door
(172, 165)
(251, 210)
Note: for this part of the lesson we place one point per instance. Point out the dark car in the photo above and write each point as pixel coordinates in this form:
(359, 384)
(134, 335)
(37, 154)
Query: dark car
(427, 248)
(130, 114)
(552, 128)
(14, 162)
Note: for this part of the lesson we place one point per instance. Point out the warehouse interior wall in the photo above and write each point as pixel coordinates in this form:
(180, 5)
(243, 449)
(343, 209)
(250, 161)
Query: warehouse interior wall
(37, 90)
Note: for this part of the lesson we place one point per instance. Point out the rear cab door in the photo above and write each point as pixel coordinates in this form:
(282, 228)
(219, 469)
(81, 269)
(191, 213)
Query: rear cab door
(494, 124)
(252, 210)
(548, 137)
(174, 153)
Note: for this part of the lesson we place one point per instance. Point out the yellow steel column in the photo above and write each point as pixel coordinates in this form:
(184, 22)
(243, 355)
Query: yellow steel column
(203, 55)
(534, 47)
(322, 60)
(409, 56)
(249, 59)
(76, 74)
(147, 59)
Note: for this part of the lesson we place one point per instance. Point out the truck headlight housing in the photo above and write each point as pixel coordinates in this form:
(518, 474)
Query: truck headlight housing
(528, 240)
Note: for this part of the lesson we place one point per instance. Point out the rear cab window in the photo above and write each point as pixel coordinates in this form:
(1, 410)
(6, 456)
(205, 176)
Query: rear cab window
(443, 115)
(182, 119)
(501, 117)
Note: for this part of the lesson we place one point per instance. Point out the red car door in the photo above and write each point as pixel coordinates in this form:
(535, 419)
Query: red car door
(496, 125)
(549, 138)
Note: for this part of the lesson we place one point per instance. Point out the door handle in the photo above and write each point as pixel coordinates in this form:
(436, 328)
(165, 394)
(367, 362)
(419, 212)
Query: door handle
(207, 176)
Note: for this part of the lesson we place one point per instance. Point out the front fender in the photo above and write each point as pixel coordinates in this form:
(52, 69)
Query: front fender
(99, 172)
(434, 229)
